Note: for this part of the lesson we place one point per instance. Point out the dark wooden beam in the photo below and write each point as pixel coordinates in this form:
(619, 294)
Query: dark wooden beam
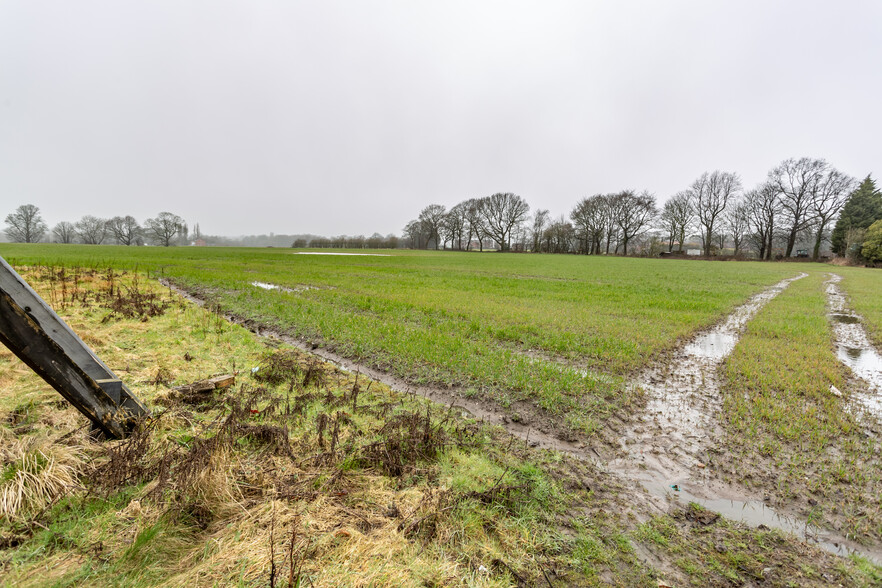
(42, 340)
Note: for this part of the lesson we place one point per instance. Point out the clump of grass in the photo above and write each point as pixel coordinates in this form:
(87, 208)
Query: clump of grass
(286, 366)
(130, 300)
(35, 471)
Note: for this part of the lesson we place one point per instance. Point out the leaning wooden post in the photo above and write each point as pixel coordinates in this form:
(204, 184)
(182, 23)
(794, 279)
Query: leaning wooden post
(41, 339)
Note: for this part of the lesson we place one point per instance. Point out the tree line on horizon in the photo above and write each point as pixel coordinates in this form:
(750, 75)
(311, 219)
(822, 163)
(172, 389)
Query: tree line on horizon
(26, 225)
(801, 201)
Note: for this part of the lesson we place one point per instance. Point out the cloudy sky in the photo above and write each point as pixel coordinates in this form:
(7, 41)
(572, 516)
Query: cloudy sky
(333, 117)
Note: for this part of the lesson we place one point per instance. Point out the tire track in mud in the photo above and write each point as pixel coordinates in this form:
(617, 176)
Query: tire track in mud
(664, 452)
(854, 349)
(665, 448)
(655, 455)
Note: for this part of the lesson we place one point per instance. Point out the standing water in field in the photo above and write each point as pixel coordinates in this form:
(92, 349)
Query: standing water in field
(684, 399)
(665, 451)
(268, 286)
(853, 346)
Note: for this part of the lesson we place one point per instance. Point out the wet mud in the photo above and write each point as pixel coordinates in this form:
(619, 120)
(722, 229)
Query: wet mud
(667, 450)
(669, 445)
(854, 349)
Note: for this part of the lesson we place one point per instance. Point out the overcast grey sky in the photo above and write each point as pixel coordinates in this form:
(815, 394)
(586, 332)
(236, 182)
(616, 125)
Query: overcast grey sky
(333, 117)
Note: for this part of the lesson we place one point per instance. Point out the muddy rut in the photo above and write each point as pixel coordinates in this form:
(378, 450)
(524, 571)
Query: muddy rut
(854, 349)
(661, 457)
(666, 449)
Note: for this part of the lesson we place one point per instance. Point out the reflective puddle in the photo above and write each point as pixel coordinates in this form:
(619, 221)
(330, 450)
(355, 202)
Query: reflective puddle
(756, 513)
(268, 286)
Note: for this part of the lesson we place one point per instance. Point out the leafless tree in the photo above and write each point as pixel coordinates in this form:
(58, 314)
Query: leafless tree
(763, 211)
(589, 221)
(796, 181)
(635, 213)
(126, 230)
(711, 193)
(677, 217)
(559, 236)
(540, 223)
(414, 232)
(475, 225)
(91, 230)
(610, 205)
(432, 218)
(501, 213)
(25, 225)
(165, 228)
(828, 198)
(64, 232)
(735, 222)
(455, 224)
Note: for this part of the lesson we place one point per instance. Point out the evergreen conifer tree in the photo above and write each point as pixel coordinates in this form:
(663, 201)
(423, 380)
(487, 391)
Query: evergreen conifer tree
(862, 209)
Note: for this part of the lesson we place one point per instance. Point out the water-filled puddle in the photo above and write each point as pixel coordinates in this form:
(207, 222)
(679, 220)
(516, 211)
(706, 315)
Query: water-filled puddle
(865, 362)
(757, 512)
(268, 286)
(713, 345)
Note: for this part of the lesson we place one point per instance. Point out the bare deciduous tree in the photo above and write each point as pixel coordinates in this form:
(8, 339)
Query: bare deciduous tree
(540, 223)
(414, 234)
(559, 236)
(91, 230)
(589, 218)
(827, 200)
(165, 228)
(455, 224)
(763, 210)
(475, 222)
(501, 213)
(64, 232)
(635, 213)
(432, 218)
(610, 205)
(677, 217)
(25, 225)
(736, 224)
(126, 230)
(796, 181)
(711, 193)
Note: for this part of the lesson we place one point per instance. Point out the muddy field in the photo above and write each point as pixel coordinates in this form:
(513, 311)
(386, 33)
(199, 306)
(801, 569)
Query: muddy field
(745, 453)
